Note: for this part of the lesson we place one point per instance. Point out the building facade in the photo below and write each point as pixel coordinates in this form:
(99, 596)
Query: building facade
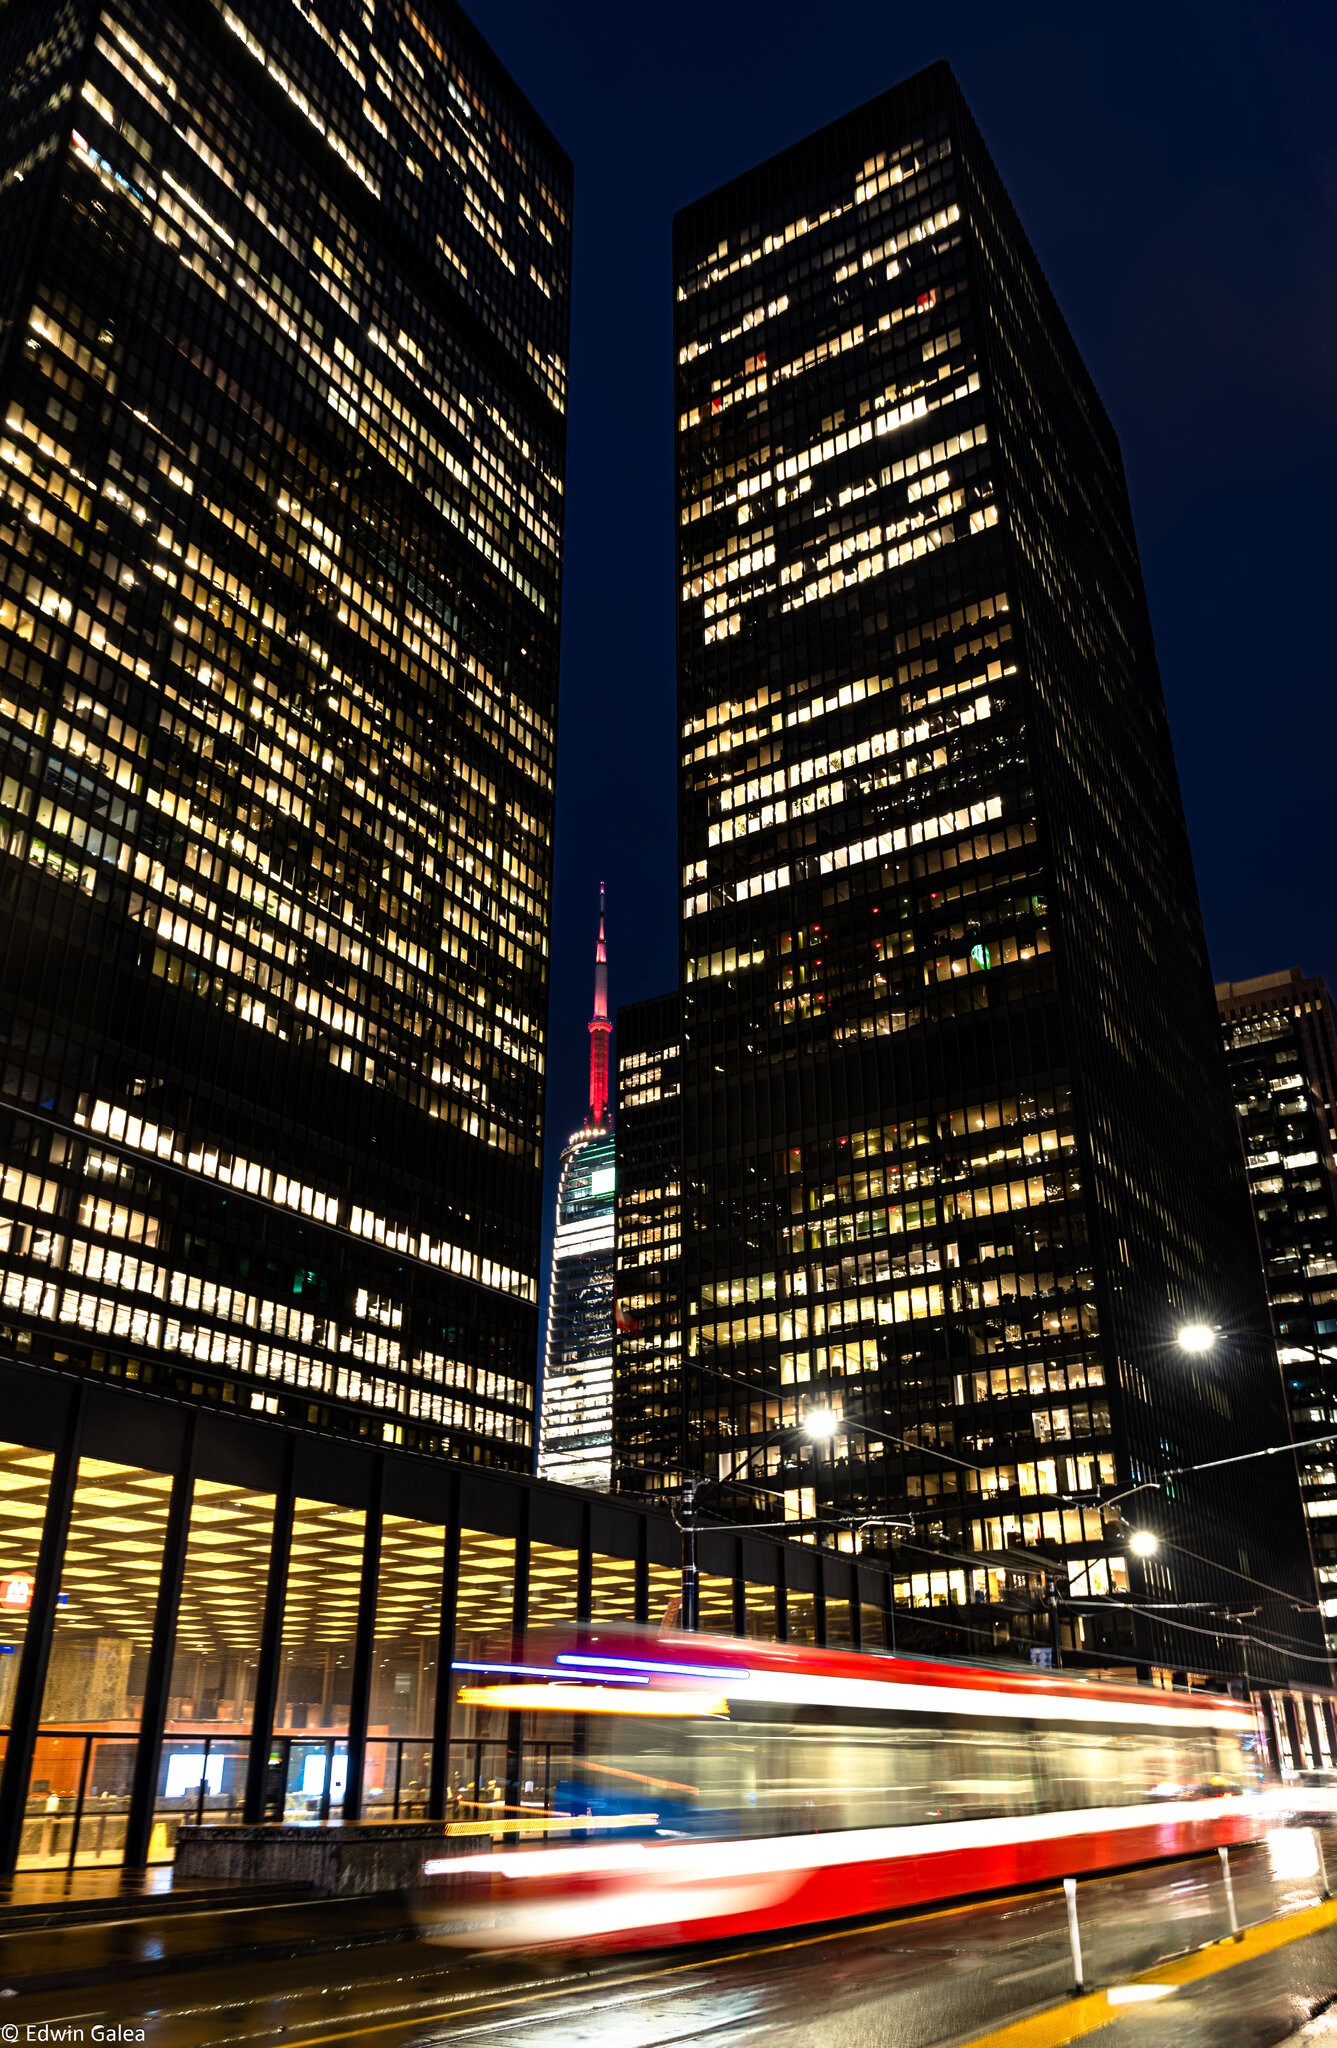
(283, 326)
(648, 1411)
(1281, 1051)
(576, 1396)
(958, 1155)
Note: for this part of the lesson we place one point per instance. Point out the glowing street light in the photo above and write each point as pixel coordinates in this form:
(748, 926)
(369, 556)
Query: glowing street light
(1143, 1543)
(1195, 1337)
(815, 1425)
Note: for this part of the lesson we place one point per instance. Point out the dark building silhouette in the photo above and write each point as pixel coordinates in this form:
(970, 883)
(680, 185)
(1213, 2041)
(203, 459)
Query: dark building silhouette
(958, 1155)
(283, 327)
(1281, 1050)
(647, 1342)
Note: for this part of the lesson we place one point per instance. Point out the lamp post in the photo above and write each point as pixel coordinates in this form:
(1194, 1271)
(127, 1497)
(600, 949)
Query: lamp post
(817, 1425)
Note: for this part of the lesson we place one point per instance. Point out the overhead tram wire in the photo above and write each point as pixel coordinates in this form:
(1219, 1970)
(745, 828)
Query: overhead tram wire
(1149, 1485)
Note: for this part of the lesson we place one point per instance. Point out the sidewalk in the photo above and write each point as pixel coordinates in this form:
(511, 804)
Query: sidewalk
(1277, 1982)
(49, 1946)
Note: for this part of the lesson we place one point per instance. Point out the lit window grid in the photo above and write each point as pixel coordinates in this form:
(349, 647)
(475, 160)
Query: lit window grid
(1281, 1054)
(90, 849)
(766, 557)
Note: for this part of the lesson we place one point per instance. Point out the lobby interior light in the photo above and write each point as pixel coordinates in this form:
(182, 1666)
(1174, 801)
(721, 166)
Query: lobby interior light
(1195, 1337)
(1143, 1543)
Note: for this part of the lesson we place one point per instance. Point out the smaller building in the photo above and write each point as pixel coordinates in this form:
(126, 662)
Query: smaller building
(647, 1339)
(576, 1398)
(1281, 1049)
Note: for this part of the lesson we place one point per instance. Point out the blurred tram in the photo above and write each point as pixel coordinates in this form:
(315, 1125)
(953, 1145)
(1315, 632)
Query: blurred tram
(721, 1788)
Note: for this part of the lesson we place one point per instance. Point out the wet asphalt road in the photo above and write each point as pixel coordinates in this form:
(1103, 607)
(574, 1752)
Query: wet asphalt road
(909, 1983)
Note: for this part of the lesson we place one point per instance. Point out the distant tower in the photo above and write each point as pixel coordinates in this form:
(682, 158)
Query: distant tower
(576, 1401)
(600, 1029)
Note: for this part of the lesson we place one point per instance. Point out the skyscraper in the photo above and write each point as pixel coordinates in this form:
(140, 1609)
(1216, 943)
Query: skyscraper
(576, 1405)
(283, 326)
(1281, 1050)
(957, 1150)
(647, 1337)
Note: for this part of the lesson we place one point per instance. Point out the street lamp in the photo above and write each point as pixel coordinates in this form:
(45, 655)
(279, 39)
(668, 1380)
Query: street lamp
(818, 1425)
(1195, 1337)
(1144, 1543)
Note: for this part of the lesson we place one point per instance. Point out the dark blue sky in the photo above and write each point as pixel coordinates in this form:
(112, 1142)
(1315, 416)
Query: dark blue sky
(1176, 167)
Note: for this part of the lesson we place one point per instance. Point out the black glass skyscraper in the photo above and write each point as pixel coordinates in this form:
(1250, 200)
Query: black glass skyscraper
(958, 1155)
(1281, 1051)
(647, 1339)
(283, 330)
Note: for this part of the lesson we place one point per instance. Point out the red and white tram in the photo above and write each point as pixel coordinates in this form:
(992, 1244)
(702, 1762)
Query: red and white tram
(723, 1788)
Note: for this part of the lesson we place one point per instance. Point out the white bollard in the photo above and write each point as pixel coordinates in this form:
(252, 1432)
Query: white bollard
(1324, 1887)
(1074, 1935)
(1224, 1854)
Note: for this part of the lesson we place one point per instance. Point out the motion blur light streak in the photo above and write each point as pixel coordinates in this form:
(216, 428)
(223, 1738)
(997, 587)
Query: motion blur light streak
(807, 1786)
(1139, 1994)
(1031, 1704)
(645, 1894)
(592, 1699)
(681, 1862)
(613, 1664)
(543, 1671)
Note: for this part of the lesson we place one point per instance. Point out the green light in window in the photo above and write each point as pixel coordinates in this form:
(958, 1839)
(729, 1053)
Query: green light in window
(979, 957)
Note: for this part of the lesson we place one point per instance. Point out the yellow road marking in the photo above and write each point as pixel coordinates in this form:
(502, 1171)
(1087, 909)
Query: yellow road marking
(1079, 2016)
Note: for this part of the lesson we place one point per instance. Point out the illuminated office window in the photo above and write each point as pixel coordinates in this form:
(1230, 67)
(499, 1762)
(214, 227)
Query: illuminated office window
(281, 485)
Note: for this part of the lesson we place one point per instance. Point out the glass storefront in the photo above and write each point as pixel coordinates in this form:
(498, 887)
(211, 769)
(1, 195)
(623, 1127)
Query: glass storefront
(25, 1477)
(484, 1625)
(405, 1663)
(211, 1697)
(665, 1596)
(801, 1613)
(612, 1589)
(715, 1599)
(309, 1761)
(760, 1610)
(552, 1587)
(112, 1650)
(83, 1759)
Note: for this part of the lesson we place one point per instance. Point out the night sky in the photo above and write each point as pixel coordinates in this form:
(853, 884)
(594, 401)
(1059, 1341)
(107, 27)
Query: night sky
(1176, 168)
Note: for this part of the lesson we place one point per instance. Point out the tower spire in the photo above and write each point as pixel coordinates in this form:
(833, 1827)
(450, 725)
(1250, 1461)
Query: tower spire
(600, 1030)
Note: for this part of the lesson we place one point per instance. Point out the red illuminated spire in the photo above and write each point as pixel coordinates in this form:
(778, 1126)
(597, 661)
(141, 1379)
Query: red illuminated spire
(600, 1031)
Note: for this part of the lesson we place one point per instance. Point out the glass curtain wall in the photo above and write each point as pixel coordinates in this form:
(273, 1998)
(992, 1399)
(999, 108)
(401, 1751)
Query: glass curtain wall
(79, 1786)
(404, 1672)
(316, 1665)
(211, 1697)
(25, 1480)
(665, 1595)
(484, 1629)
(547, 1741)
(612, 1589)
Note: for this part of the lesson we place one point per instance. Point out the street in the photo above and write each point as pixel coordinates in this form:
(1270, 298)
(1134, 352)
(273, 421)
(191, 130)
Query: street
(943, 1977)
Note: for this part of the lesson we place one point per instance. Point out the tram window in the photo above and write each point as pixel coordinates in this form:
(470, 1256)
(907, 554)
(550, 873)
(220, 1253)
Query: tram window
(762, 1776)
